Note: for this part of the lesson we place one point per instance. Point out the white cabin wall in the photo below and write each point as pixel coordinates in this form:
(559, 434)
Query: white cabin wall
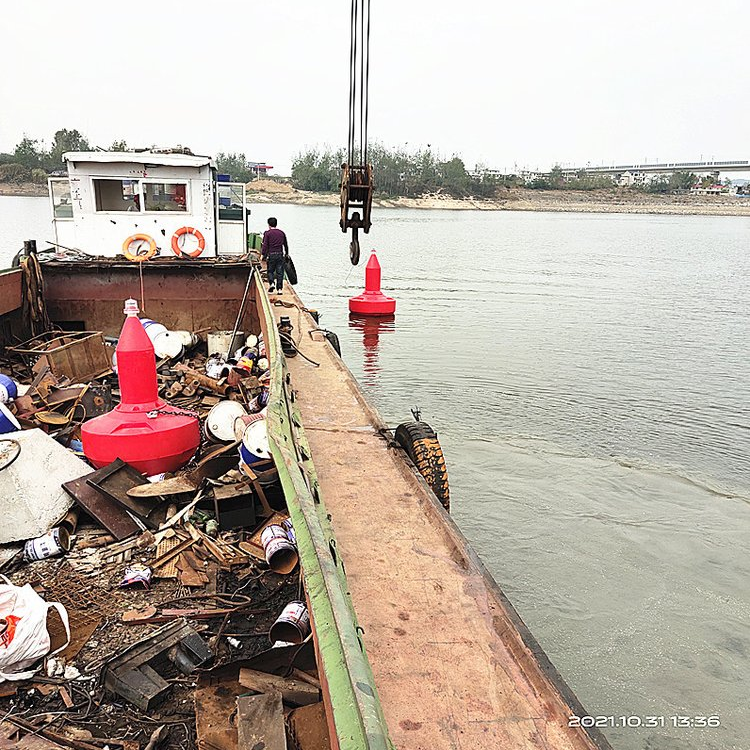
(104, 232)
(232, 238)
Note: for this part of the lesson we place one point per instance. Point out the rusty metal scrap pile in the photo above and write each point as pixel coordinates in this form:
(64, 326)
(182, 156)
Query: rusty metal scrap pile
(172, 607)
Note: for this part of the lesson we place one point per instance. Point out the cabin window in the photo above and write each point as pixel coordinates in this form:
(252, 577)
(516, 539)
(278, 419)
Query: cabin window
(117, 195)
(62, 206)
(165, 196)
(231, 203)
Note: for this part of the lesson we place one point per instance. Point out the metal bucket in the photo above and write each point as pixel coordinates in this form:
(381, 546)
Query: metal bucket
(217, 368)
(259, 402)
(254, 445)
(188, 338)
(222, 342)
(51, 544)
(8, 423)
(219, 426)
(242, 423)
(292, 625)
(281, 554)
(168, 344)
(152, 328)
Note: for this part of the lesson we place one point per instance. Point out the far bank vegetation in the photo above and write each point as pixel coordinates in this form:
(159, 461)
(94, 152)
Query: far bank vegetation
(400, 173)
(31, 161)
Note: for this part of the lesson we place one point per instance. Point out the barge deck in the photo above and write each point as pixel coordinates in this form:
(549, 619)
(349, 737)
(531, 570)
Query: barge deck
(454, 665)
(416, 646)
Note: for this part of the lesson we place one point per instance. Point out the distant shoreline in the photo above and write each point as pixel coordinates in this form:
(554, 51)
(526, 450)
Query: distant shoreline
(23, 190)
(613, 200)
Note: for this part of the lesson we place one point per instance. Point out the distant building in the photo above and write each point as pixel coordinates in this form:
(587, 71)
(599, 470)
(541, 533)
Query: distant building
(480, 172)
(259, 169)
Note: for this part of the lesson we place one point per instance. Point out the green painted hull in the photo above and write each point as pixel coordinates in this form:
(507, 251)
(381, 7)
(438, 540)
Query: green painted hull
(354, 710)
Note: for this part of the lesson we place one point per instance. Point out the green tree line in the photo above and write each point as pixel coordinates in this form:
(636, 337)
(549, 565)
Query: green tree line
(32, 161)
(397, 173)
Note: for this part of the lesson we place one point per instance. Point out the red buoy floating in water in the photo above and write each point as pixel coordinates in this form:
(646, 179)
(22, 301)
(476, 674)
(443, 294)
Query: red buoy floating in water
(372, 301)
(142, 430)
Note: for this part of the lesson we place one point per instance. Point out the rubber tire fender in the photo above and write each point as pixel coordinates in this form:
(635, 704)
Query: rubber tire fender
(333, 340)
(421, 444)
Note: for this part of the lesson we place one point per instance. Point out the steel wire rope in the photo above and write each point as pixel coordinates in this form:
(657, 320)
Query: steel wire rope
(367, 83)
(361, 83)
(352, 79)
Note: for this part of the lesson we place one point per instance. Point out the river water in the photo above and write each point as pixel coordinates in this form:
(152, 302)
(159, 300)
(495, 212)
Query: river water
(588, 377)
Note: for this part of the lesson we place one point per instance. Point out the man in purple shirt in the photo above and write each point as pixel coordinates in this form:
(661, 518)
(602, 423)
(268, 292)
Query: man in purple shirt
(274, 249)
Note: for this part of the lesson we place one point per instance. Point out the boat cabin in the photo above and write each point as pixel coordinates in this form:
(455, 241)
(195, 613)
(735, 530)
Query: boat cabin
(147, 203)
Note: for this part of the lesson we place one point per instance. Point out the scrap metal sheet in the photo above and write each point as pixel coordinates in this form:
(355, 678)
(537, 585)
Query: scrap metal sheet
(31, 496)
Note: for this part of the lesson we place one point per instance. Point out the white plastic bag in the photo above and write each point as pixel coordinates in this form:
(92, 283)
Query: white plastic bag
(25, 639)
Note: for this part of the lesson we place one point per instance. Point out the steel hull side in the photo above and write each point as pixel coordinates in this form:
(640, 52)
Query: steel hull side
(353, 709)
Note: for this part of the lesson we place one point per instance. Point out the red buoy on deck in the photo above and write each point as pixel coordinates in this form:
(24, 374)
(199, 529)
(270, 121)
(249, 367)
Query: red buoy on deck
(142, 430)
(372, 301)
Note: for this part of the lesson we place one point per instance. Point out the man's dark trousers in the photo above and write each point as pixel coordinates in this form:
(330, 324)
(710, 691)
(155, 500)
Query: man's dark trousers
(276, 270)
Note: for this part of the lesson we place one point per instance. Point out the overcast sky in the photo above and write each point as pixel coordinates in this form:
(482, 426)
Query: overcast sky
(502, 83)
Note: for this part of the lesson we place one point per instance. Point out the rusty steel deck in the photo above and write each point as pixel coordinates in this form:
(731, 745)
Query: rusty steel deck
(454, 665)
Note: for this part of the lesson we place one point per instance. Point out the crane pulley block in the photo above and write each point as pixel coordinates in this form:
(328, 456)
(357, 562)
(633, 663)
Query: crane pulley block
(356, 203)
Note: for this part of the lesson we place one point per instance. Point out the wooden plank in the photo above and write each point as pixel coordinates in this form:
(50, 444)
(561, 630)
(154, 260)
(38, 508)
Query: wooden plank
(173, 486)
(260, 722)
(65, 695)
(170, 554)
(294, 692)
(188, 576)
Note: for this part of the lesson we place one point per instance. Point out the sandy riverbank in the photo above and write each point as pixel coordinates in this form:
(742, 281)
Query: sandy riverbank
(28, 189)
(595, 201)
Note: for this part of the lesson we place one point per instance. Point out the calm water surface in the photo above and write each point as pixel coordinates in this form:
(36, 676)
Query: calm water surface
(588, 376)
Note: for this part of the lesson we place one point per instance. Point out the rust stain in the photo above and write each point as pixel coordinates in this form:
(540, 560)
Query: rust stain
(410, 725)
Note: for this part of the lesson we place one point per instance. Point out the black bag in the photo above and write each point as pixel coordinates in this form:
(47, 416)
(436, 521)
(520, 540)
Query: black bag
(290, 270)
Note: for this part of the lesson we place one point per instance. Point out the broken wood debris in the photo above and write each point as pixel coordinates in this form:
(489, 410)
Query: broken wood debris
(260, 722)
(294, 692)
(133, 675)
(194, 531)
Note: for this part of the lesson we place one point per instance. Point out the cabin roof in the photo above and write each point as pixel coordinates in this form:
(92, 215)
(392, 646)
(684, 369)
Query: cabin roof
(138, 157)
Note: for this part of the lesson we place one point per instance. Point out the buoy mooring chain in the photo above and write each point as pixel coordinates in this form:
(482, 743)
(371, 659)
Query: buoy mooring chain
(422, 446)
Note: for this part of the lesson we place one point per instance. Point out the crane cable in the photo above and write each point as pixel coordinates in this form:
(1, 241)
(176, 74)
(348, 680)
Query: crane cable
(359, 80)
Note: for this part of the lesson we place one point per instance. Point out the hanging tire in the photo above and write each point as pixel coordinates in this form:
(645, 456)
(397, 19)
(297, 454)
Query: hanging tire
(421, 444)
(333, 340)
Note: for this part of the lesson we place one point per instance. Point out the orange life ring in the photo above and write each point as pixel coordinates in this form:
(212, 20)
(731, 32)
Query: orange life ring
(139, 257)
(178, 251)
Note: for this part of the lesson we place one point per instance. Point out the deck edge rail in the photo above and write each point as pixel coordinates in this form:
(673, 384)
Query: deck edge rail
(356, 713)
